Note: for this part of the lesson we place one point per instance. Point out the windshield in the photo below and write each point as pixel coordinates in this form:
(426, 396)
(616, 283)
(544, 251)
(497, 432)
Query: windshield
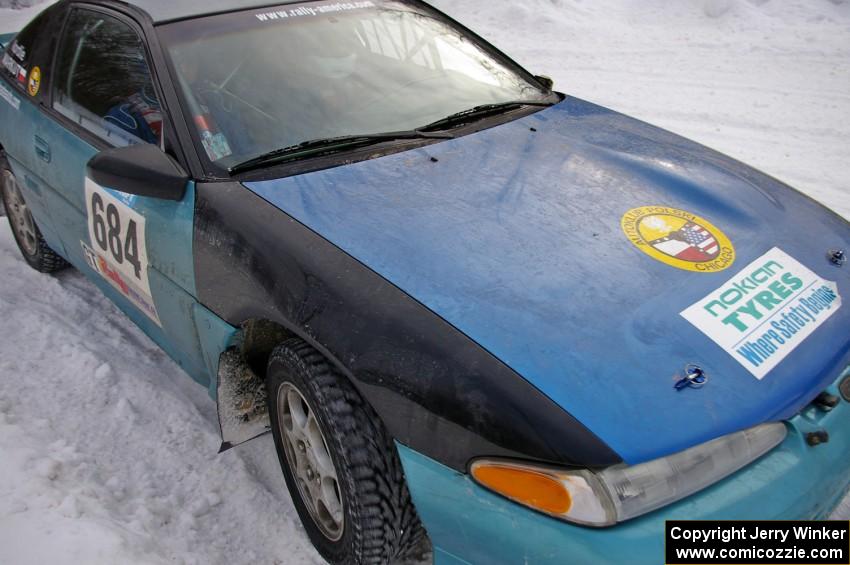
(256, 81)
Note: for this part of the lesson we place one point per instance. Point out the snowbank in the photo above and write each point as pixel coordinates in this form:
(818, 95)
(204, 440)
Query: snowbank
(14, 14)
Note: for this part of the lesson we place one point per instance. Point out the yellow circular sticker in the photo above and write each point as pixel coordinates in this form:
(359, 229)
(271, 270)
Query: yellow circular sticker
(34, 82)
(678, 238)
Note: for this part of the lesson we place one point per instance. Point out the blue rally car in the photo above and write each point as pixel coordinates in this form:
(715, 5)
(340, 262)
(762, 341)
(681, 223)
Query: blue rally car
(473, 312)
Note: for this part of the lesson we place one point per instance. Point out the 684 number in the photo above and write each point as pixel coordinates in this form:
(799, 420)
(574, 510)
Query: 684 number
(106, 224)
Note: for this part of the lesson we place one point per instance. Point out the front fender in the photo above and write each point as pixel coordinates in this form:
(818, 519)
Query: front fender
(435, 389)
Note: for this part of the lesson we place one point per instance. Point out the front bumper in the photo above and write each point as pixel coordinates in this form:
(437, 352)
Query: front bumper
(468, 524)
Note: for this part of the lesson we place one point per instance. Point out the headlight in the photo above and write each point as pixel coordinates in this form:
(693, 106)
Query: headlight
(602, 498)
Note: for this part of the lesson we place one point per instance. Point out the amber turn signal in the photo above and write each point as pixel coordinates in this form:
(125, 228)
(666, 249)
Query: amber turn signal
(531, 488)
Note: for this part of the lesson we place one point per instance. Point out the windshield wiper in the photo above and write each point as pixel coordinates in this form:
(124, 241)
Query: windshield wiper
(329, 145)
(480, 112)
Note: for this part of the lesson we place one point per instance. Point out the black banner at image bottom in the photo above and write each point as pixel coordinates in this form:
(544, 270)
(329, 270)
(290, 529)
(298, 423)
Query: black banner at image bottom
(825, 542)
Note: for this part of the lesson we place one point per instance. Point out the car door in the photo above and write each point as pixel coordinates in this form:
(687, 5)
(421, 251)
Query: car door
(23, 99)
(137, 249)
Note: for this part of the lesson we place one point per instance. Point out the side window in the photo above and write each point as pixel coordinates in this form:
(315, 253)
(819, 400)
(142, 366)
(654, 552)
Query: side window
(19, 62)
(103, 82)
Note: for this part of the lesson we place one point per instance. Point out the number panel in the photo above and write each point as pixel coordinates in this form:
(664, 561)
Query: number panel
(116, 247)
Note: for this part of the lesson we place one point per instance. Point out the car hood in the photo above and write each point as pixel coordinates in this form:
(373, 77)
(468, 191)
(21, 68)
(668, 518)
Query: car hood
(518, 236)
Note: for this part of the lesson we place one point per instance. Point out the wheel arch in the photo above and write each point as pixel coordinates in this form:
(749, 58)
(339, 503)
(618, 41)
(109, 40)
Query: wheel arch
(258, 337)
(241, 376)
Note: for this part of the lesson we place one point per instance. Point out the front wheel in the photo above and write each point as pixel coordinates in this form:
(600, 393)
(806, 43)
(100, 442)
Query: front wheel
(342, 469)
(35, 250)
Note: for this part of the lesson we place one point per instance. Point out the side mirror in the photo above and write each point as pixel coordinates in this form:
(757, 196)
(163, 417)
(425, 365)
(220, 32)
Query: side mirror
(545, 82)
(139, 169)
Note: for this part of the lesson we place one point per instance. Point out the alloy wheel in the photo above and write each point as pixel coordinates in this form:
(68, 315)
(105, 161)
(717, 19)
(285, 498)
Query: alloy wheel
(20, 217)
(310, 461)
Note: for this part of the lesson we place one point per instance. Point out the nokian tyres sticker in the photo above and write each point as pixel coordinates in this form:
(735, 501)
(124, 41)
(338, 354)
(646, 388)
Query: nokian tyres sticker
(117, 247)
(765, 311)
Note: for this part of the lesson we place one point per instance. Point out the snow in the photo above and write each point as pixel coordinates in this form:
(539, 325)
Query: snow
(15, 19)
(766, 81)
(108, 451)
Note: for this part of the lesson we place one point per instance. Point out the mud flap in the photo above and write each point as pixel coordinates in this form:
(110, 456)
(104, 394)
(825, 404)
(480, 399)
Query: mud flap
(242, 409)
